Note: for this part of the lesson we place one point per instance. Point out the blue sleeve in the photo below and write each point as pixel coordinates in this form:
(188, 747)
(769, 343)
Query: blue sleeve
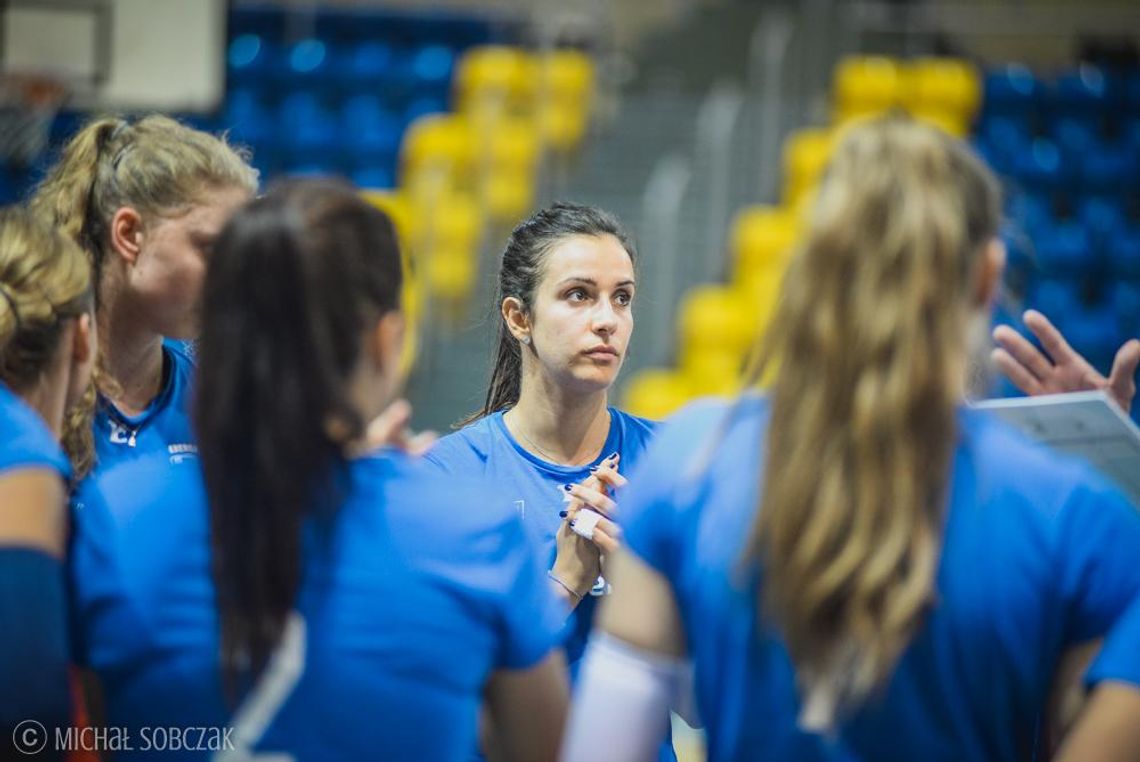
(33, 641)
(659, 485)
(1098, 560)
(1119, 657)
(532, 617)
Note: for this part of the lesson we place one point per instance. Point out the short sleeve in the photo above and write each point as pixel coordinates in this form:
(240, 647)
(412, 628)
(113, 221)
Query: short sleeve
(659, 485)
(1098, 561)
(1119, 657)
(533, 619)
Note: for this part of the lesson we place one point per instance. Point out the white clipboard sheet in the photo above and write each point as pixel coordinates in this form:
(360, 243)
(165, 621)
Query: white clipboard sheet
(1087, 424)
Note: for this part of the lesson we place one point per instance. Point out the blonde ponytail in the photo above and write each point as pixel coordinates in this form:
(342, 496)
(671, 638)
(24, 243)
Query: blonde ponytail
(870, 336)
(155, 165)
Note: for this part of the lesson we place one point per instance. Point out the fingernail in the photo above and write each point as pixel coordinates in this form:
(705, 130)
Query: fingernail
(593, 469)
(567, 487)
(612, 457)
(572, 523)
(563, 514)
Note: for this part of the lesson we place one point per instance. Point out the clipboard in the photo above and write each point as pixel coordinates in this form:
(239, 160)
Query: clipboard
(1089, 425)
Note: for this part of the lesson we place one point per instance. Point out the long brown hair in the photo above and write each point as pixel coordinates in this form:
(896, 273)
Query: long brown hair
(868, 348)
(274, 408)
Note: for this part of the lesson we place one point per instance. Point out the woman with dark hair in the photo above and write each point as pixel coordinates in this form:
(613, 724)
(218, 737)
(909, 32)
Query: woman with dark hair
(347, 571)
(546, 435)
(343, 578)
(859, 565)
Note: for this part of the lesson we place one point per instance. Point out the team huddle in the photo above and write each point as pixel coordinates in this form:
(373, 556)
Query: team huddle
(845, 562)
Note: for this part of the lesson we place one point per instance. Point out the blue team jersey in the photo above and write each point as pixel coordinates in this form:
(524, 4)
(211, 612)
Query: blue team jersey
(25, 441)
(533, 487)
(1038, 554)
(409, 601)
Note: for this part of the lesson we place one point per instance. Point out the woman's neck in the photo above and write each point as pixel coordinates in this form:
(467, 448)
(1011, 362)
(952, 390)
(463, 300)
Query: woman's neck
(564, 428)
(132, 360)
(49, 399)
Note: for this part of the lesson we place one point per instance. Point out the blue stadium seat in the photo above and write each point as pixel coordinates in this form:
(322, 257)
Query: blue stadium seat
(1041, 166)
(422, 106)
(367, 65)
(246, 114)
(1109, 167)
(1011, 89)
(369, 129)
(307, 63)
(1086, 90)
(1123, 252)
(250, 59)
(307, 125)
(432, 66)
(374, 176)
(1064, 247)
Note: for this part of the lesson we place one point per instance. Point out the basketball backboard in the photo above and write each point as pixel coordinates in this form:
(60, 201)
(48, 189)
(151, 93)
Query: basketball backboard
(166, 55)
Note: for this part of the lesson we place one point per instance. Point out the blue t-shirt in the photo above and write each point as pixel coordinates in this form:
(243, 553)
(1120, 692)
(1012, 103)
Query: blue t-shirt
(533, 488)
(1038, 554)
(409, 603)
(25, 441)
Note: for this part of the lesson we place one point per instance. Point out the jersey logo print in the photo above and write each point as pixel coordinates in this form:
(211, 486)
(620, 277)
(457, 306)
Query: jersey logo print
(179, 453)
(520, 506)
(121, 435)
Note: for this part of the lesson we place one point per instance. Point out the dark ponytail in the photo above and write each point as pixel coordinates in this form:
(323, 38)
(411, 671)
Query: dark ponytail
(519, 275)
(296, 277)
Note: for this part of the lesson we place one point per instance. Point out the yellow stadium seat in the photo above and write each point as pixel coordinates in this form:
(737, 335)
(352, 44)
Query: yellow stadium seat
(399, 210)
(806, 154)
(866, 85)
(497, 77)
(567, 74)
(563, 126)
(450, 273)
(508, 195)
(712, 370)
(450, 221)
(945, 91)
(761, 290)
(762, 238)
(716, 317)
(514, 145)
(655, 393)
(442, 140)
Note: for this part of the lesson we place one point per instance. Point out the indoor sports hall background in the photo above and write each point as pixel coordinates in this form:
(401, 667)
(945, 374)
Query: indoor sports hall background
(704, 124)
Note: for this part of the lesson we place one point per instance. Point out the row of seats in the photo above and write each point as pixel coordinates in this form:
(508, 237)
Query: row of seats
(719, 324)
(475, 169)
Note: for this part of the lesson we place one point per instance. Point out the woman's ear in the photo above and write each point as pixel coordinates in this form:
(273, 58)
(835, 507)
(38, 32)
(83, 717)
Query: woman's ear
(83, 340)
(516, 318)
(387, 340)
(990, 271)
(127, 233)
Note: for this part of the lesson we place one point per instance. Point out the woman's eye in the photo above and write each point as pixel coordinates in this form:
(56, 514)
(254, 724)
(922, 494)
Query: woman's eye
(576, 295)
(623, 298)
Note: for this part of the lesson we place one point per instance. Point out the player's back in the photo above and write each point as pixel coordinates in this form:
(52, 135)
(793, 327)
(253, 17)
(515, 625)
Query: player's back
(1038, 554)
(408, 601)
